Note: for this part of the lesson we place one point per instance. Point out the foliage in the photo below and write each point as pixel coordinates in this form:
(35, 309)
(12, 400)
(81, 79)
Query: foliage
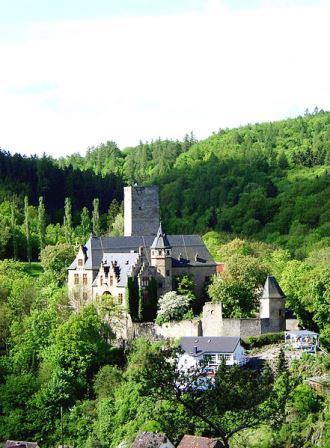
(238, 287)
(172, 306)
(132, 297)
(56, 259)
(262, 340)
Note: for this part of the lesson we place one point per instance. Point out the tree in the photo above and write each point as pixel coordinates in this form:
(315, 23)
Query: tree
(239, 286)
(85, 224)
(96, 218)
(27, 228)
(230, 403)
(41, 223)
(113, 211)
(67, 223)
(13, 222)
(118, 226)
(172, 306)
(132, 297)
(56, 259)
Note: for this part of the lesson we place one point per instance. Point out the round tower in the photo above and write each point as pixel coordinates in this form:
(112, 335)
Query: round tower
(272, 306)
(161, 258)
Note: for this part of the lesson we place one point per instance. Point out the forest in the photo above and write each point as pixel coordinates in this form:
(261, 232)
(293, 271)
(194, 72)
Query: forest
(259, 195)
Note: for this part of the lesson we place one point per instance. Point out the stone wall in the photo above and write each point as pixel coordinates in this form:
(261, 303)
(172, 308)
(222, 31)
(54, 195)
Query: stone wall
(212, 319)
(141, 210)
(179, 329)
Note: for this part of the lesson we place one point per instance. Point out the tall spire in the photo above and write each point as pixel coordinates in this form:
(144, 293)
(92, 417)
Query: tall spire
(272, 289)
(161, 241)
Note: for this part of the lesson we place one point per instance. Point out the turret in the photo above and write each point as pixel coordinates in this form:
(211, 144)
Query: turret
(161, 258)
(272, 305)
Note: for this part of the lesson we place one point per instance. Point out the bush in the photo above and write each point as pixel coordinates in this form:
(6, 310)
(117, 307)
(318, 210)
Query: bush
(172, 306)
(263, 339)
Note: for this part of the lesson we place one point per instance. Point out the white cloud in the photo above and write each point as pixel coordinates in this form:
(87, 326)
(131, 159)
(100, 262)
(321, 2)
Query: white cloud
(69, 85)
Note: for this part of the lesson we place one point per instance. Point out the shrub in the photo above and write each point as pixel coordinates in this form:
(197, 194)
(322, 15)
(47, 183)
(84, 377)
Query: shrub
(263, 339)
(172, 306)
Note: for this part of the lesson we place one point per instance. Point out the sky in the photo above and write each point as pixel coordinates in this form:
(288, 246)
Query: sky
(76, 73)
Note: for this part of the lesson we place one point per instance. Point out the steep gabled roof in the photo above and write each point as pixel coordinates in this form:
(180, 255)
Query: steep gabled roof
(272, 289)
(184, 249)
(208, 344)
(198, 442)
(160, 241)
(148, 439)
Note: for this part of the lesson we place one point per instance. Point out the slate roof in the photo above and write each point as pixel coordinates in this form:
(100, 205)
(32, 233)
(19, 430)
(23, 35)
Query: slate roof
(205, 344)
(184, 249)
(198, 442)
(20, 444)
(272, 289)
(149, 440)
(124, 263)
(160, 241)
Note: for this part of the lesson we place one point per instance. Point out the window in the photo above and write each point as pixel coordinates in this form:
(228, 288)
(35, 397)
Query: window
(120, 298)
(76, 296)
(84, 296)
(111, 280)
(101, 280)
(145, 281)
(280, 312)
(84, 279)
(76, 279)
(167, 273)
(212, 359)
(80, 262)
(159, 252)
(167, 252)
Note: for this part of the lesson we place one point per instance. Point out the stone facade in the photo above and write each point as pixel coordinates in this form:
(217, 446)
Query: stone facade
(141, 210)
(104, 264)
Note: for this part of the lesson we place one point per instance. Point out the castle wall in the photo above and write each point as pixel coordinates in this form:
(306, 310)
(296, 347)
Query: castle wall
(141, 210)
(212, 319)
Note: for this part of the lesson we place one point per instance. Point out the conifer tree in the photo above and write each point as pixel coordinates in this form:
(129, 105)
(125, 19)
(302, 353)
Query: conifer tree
(13, 225)
(67, 223)
(85, 223)
(27, 228)
(41, 223)
(113, 211)
(96, 217)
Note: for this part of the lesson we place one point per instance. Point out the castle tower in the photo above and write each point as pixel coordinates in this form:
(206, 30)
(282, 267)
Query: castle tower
(272, 305)
(141, 211)
(161, 258)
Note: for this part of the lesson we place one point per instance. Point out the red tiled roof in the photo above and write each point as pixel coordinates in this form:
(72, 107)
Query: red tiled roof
(198, 442)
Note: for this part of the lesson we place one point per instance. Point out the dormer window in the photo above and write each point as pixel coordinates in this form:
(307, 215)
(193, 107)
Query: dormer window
(101, 280)
(80, 262)
(111, 280)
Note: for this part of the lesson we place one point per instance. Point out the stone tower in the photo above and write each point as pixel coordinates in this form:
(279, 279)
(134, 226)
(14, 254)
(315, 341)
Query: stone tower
(272, 306)
(161, 258)
(141, 211)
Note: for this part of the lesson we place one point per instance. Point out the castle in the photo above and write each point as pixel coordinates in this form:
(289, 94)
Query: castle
(104, 264)
(145, 253)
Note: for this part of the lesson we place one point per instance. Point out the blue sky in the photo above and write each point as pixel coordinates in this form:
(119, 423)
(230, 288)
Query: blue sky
(76, 73)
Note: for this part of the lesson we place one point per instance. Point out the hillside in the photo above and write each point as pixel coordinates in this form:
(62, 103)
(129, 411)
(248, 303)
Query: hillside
(266, 181)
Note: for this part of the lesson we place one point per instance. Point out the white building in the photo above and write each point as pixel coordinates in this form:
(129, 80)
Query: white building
(212, 351)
